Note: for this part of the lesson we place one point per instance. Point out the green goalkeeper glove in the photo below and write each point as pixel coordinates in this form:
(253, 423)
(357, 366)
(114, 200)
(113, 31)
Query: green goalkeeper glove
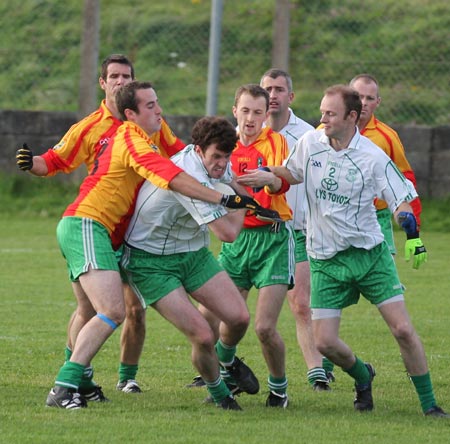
(24, 158)
(418, 251)
(413, 246)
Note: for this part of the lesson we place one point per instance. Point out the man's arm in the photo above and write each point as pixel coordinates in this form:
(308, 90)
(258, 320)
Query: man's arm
(187, 185)
(228, 227)
(27, 162)
(282, 171)
(260, 178)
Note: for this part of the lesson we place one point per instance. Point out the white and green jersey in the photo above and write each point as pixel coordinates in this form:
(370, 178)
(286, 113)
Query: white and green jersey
(295, 196)
(166, 222)
(340, 189)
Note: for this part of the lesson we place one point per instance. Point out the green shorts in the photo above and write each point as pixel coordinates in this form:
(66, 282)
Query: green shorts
(337, 282)
(385, 220)
(260, 257)
(153, 276)
(85, 244)
(300, 247)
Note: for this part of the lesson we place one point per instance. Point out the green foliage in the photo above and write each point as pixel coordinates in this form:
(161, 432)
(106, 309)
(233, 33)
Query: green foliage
(28, 196)
(404, 44)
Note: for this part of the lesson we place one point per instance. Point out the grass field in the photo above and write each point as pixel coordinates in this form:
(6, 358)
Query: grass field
(36, 303)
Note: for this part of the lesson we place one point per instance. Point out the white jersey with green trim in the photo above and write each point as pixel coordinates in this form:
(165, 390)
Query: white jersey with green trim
(166, 222)
(295, 196)
(340, 189)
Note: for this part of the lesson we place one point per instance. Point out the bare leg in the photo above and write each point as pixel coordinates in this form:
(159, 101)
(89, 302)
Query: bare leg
(411, 349)
(133, 330)
(299, 298)
(81, 316)
(178, 309)
(222, 302)
(326, 335)
(270, 302)
(104, 290)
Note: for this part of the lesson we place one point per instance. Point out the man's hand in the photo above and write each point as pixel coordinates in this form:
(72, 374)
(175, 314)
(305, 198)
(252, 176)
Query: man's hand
(236, 201)
(418, 251)
(24, 158)
(408, 222)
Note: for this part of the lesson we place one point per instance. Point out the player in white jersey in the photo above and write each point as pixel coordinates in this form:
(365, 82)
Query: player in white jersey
(282, 119)
(343, 172)
(166, 257)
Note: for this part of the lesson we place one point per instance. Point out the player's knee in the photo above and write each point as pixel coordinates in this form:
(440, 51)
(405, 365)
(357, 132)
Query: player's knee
(264, 332)
(111, 321)
(204, 339)
(135, 314)
(241, 321)
(404, 332)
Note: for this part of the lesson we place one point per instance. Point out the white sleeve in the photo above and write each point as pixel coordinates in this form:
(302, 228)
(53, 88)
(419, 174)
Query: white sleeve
(295, 161)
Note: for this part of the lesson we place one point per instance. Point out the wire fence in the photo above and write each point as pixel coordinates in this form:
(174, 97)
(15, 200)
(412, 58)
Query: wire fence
(404, 44)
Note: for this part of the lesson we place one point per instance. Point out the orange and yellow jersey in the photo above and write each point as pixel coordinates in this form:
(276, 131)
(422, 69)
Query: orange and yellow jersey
(84, 140)
(166, 141)
(389, 141)
(81, 144)
(108, 194)
(270, 148)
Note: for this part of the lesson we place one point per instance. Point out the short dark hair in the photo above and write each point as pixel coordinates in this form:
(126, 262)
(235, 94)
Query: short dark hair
(274, 73)
(219, 130)
(350, 97)
(115, 58)
(254, 90)
(126, 96)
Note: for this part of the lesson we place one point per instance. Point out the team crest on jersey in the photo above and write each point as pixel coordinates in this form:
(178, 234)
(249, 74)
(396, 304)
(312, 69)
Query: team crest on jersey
(351, 174)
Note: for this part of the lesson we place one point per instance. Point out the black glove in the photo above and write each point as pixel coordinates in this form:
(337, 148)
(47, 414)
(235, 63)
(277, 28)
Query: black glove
(237, 201)
(267, 215)
(24, 158)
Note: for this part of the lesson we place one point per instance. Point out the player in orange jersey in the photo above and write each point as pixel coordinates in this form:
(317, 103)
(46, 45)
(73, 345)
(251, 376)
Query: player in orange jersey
(81, 145)
(388, 140)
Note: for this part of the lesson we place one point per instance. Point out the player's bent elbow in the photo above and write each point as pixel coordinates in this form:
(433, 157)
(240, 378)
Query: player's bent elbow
(229, 235)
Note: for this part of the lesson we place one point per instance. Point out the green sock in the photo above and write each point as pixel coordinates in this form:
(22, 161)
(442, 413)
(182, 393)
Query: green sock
(316, 374)
(359, 372)
(87, 381)
(217, 389)
(327, 365)
(70, 375)
(225, 353)
(277, 385)
(127, 371)
(67, 353)
(424, 389)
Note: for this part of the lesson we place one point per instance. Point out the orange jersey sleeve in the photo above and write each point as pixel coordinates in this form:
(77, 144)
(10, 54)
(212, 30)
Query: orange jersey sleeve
(388, 140)
(166, 141)
(82, 143)
(108, 194)
(271, 149)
